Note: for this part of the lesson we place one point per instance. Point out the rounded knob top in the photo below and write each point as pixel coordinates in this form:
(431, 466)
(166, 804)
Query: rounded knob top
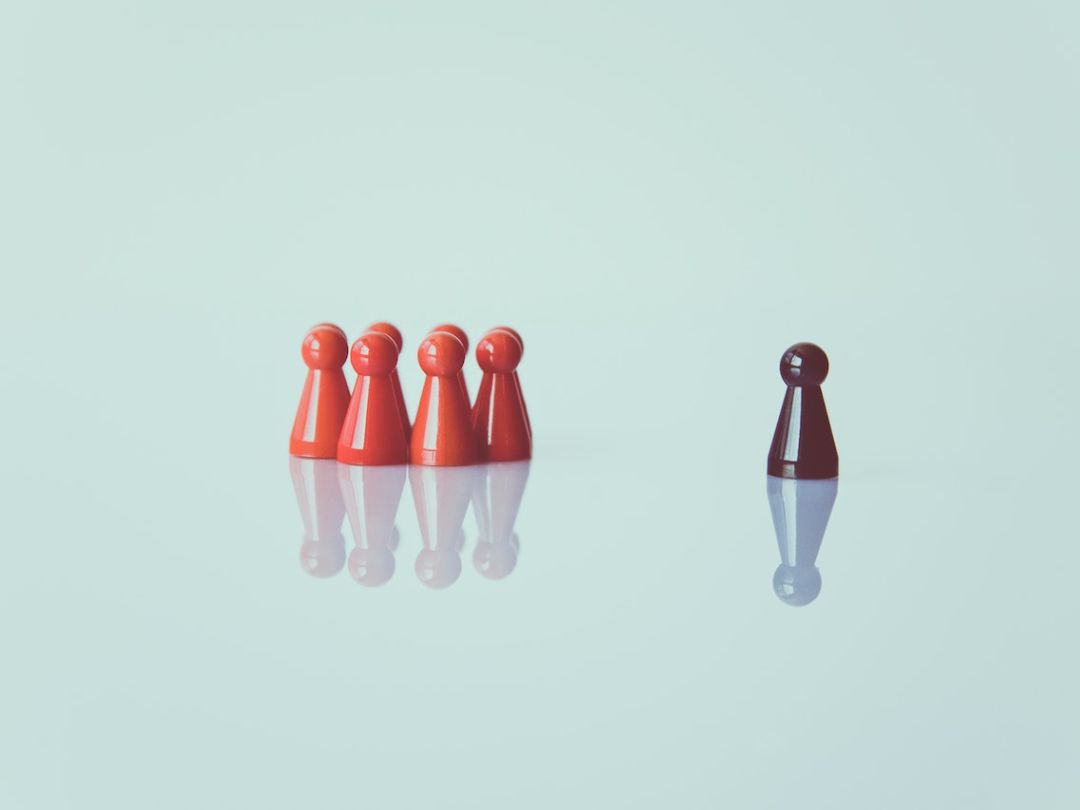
(325, 347)
(514, 332)
(804, 364)
(441, 354)
(390, 331)
(374, 354)
(499, 352)
(454, 330)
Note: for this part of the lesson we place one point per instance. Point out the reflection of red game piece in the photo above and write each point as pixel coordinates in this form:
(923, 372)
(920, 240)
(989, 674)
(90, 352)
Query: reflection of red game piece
(441, 496)
(322, 512)
(459, 333)
(803, 445)
(394, 334)
(372, 495)
(372, 432)
(517, 336)
(499, 418)
(326, 393)
(442, 435)
(496, 500)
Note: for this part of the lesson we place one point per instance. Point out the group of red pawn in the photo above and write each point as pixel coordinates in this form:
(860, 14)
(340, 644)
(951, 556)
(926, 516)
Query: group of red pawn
(371, 425)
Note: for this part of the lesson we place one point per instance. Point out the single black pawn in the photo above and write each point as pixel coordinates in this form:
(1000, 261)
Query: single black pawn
(803, 445)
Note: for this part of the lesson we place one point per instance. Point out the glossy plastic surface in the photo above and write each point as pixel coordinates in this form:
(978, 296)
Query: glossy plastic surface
(325, 397)
(499, 417)
(372, 496)
(497, 496)
(800, 512)
(441, 496)
(373, 433)
(394, 334)
(521, 342)
(322, 512)
(459, 333)
(442, 435)
(803, 445)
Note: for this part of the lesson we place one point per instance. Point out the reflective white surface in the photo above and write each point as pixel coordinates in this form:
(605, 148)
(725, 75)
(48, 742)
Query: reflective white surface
(661, 198)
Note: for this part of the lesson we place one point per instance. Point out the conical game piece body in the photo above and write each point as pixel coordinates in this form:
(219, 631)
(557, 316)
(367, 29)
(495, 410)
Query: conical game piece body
(497, 496)
(326, 393)
(803, 445)
(394, 334)
(499, 418)
(459, 333)
(372, 433)
(442, 434)
(372, 495)
(800, 512)
(322, 511)
(441, 496)
(521, 342)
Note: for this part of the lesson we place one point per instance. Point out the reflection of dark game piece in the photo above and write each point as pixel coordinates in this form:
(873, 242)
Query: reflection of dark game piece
(800, 512)
(372, 495)
(441, 496)
(802, 445)
(496, 500)
(322, 512)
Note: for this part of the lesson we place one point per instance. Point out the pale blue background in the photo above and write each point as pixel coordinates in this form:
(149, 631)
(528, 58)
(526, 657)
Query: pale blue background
(660, 197)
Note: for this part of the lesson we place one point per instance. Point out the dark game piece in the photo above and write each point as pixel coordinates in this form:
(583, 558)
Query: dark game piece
(802, 445)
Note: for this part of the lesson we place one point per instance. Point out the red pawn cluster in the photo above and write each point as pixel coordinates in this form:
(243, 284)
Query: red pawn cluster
(371, 427)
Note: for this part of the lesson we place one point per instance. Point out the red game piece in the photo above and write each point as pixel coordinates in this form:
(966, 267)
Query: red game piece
(326, 393)
(803, 445)
(517, 336)
(499, 418)
(394, 334)
(322, 512)
(372, 495)
(372, 433)
(459, 333)
(442, 435)
(441, 496)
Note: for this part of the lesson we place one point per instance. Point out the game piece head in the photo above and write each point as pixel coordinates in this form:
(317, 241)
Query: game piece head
(454, 330)
(438, 568)
(371, 567)
(441, 354)
(804, 364)
(797, 585)
(325, 347)
(374, 354)
(390, 331)
(512, 331)
(498, 352)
